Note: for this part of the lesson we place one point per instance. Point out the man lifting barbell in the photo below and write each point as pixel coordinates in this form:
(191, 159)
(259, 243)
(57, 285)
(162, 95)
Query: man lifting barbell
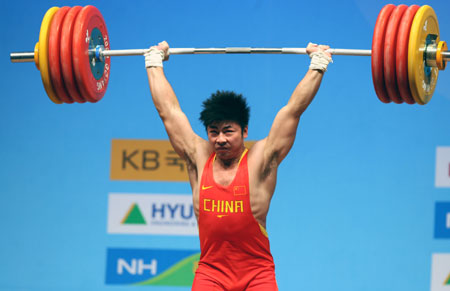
(232, 186)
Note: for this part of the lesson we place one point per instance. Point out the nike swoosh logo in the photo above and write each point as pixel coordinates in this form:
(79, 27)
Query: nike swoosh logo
(206, 187)
(222, 215)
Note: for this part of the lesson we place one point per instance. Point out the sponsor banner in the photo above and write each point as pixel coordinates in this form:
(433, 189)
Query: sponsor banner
(442, 220)
(442, 178)
(148, 160)
(440, 272)
(142, 267)
(164, 214)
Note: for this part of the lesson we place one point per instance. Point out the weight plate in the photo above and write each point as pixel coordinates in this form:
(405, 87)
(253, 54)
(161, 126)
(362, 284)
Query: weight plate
(66, 54)
(378, 51)
(91, 74)
(390, 43)
(401, 57)
(43, 54)
(54, 62)
(422, 79)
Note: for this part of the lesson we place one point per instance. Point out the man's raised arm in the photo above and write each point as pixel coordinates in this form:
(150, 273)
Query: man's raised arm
(284, 128)
(180, 132)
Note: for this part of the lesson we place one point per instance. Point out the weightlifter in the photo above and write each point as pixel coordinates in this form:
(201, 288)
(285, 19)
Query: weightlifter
(232, 186)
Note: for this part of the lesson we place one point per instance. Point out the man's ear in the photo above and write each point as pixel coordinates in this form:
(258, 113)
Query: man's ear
(245, 132)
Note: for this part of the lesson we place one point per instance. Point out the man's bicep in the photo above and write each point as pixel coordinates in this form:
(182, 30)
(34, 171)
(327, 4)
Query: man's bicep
(282, 135)
(181, 135)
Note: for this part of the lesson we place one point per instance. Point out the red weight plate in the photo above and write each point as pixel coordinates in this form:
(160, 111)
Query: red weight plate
(88, 19)
(377, 53)
(66, 54)
(54, 62)
(390, 43)
(402, 54)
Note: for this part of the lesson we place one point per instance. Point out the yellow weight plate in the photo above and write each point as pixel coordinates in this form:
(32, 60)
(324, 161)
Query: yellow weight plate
(422, 79)
(43, 54)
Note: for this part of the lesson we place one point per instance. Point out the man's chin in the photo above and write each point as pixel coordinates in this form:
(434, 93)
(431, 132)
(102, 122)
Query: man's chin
(222, 153)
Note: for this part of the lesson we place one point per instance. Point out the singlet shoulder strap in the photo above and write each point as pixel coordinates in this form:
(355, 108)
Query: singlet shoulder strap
(243, 154)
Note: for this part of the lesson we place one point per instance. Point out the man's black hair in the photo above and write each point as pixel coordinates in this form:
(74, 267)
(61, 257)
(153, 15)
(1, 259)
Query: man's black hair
(225, 106)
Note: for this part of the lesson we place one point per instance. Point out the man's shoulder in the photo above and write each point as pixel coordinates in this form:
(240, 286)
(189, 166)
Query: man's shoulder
(255, 146)
(262, 162)
(203, 152)
(256, 154)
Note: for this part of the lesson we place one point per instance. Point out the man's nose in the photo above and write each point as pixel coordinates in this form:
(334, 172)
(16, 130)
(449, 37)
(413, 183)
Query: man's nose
(221, 138)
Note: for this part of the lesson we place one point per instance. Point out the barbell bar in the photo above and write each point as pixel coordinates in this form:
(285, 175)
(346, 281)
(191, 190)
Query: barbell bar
(23, 57)
(28, 57)
(89, 44)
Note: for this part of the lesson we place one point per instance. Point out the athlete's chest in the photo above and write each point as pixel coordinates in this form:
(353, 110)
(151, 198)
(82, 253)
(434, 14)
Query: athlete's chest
(224, 176)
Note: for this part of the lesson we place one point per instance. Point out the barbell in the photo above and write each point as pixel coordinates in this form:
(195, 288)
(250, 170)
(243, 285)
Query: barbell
(73, 54)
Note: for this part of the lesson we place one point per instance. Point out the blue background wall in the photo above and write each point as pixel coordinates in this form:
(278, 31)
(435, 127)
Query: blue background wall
(354, 205)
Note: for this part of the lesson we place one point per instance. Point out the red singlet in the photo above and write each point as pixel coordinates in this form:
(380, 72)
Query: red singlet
(235, 251)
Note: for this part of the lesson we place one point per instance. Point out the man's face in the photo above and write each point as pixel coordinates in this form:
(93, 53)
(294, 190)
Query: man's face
(227, 138)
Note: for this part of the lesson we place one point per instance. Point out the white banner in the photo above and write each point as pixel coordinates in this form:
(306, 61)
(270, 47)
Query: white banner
(442, 167)
(164, 214)
(440, 272)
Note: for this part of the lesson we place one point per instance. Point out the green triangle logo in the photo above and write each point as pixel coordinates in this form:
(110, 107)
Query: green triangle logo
(447, 281)
(134, 216)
